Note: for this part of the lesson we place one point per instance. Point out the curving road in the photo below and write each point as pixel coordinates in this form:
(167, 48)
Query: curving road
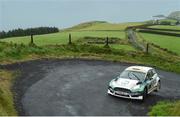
(78, 87)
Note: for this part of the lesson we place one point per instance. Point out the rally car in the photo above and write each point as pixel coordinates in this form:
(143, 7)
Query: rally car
(135, 82)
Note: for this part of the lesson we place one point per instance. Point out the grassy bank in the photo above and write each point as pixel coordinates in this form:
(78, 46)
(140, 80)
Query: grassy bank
(10, 53)
(166, 108)
(6, 99)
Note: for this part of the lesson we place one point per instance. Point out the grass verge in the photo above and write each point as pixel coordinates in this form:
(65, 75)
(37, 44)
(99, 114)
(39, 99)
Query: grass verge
(166, 108)
(10, 53)
(6, 98)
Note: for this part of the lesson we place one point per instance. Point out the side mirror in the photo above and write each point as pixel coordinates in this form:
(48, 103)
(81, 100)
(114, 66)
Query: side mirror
(138, 83)
(116, 79)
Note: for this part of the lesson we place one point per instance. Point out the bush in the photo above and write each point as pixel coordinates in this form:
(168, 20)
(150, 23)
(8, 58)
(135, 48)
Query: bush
(166, 108)
(165, 23)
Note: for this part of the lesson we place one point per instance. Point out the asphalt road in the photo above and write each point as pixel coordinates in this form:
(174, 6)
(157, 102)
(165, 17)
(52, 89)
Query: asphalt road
(78, 87)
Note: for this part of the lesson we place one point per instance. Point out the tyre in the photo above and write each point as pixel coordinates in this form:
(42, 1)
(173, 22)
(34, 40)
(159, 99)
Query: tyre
(144, 94)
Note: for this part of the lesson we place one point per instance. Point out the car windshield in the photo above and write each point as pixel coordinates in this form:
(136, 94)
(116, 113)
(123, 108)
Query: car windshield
(133, 75)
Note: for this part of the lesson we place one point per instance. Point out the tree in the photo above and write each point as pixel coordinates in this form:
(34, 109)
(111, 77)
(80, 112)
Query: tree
(28, 31)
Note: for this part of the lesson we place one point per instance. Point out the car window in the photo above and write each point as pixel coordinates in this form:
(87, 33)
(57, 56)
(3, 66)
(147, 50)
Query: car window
(149, 74)
(134, 75)
(154, 72)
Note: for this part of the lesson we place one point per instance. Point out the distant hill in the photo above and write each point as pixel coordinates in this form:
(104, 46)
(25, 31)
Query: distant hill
(102, 26)
(174, 15)
(85, 25)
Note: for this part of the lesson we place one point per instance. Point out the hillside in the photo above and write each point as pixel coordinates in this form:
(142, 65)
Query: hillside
(85, 25)
(175, 15)
(102, 25)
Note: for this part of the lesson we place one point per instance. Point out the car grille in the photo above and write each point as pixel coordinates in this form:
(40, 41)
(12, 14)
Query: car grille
(122, 90)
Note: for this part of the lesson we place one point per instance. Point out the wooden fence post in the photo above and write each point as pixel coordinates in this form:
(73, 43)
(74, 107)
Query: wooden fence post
(32, 41)
(147, 48)
(70, 42)
(107, 41)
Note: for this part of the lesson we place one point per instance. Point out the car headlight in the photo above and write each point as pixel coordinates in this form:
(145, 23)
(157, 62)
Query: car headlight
(111, 83)
(136, 87)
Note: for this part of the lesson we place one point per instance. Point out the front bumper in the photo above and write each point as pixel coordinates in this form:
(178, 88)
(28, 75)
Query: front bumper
(129, 96)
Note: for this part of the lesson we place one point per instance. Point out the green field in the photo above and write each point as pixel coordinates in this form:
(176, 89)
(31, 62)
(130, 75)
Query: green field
(62, 37)
(100, 29)
(170, 42)
(166, 27)
(91, 29)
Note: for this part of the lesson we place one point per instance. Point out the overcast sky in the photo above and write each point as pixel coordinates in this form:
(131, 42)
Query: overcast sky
(65, 13)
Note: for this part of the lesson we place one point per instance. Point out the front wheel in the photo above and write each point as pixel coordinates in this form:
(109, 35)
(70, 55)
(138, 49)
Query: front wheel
(144, 94)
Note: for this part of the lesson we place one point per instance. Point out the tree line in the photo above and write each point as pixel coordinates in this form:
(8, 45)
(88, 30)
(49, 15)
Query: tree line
(28, 31)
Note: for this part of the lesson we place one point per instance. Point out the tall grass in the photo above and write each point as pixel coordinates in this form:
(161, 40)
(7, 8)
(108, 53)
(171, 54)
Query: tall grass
(7, 107)
(166, 108)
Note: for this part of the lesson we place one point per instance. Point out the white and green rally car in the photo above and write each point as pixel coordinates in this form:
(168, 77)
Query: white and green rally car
(135, 82)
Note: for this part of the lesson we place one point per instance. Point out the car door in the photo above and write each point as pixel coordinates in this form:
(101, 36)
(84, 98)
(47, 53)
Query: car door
(154, 78)
(150, 80)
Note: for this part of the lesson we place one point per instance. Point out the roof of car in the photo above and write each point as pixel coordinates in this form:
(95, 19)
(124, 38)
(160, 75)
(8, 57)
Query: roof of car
(139, 68)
